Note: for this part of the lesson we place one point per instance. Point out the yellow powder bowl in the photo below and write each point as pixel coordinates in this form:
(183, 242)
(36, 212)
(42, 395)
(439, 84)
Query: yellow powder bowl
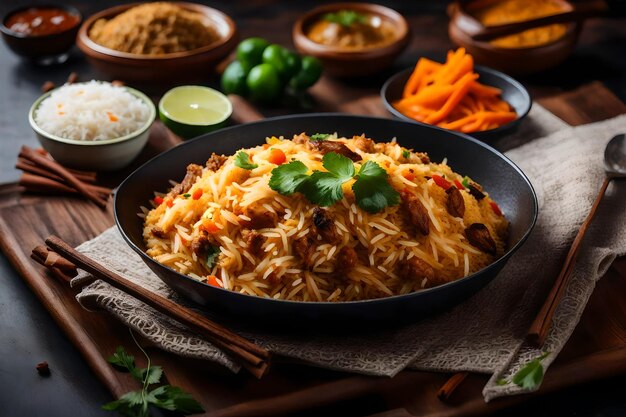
(525, 53)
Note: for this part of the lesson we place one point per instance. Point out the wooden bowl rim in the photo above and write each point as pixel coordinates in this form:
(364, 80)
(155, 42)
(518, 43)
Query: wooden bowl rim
(314, 48)
(90, 47)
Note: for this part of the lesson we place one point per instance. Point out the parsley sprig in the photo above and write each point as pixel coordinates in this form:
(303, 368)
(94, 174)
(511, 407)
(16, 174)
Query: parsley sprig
(137, 403)
(324, 188)
(345, 17)
(242, 160)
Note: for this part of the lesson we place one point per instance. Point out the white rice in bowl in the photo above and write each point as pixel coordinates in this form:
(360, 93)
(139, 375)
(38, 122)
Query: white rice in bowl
(91, 111)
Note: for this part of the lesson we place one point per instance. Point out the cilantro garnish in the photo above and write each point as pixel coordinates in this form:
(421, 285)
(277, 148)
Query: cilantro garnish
(345, 17)
(371, 189)
(242, 160)
(465, 181)
(286, 178)
(212, 254)
(187, 195)
(319, 136)
(138, 403)
(324, 188)
(405, 153)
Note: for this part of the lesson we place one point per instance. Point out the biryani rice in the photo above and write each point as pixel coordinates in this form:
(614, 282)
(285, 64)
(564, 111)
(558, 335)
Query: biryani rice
(382, 240)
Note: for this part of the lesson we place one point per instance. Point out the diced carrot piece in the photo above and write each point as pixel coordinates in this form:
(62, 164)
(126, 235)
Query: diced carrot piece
(495, 208)
(212, 280)
(197, 194)
(158, 200)
(277, 157)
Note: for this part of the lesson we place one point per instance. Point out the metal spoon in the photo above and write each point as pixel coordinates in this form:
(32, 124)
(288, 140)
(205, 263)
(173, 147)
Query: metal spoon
(614, 167)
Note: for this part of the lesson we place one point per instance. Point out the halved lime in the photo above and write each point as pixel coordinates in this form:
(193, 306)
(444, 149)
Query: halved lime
(192, 110)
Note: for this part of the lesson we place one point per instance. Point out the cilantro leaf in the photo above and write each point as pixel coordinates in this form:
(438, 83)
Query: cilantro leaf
(406, 153)
(137, 403)
(322, 188)
(131, 404)
(174, 399)
(151, 375)
(242, 160)
(319, 136)
(339, 165)
(345, 17)
(372, 190)
(287, 178)
(530, 375)
(186, 195)
(125, 362)
(212, 254)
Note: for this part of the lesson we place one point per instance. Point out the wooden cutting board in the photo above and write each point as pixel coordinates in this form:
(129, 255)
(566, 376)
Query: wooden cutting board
(596, 350)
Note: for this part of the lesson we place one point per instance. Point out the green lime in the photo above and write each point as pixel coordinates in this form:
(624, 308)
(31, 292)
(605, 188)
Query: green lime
(264, 83)
(234, 79)
(293, 63)
(250, 52)
(192, 110)
(309, 73)
(275, 56)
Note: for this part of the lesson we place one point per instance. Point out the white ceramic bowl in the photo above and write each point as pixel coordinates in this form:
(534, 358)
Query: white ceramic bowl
(102, 155)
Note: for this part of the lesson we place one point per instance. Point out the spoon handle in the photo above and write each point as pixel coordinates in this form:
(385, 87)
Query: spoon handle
(579, 12)
(539, 329)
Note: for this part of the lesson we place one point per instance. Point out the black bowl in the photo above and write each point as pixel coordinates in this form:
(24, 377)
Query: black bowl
(45, 49)
(504, 181)
(512, 91)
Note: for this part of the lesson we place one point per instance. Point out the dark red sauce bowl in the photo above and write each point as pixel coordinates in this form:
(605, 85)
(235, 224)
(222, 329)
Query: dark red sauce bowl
(46, 48)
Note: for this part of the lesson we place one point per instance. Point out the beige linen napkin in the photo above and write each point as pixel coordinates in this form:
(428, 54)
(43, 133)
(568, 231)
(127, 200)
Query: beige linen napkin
(485, 334)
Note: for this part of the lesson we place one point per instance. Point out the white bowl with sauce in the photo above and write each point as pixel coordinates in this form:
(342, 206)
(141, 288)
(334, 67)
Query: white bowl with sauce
(365, 47)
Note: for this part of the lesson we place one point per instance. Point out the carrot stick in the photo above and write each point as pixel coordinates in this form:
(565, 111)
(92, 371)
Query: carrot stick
(453, 100)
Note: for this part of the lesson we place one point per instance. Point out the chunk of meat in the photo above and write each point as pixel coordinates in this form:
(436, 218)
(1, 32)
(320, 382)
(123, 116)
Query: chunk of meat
(158, 232)
(417, 213)
(364, 144)
(327, 146)
(346, 261)
(416, 269)
(301, 139)
(478, 235)
(215, 161)
(193, 172)
(455, 203)
(325, 226)
(304, 248)
(476, 190)
(200, 245)
(253, 239)
(260, 217)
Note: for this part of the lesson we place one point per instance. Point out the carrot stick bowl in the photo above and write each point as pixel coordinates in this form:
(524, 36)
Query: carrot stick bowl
(459, 96)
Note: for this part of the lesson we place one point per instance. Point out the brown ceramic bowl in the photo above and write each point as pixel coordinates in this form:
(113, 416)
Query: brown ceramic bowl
(46, 49)
(515, 61)
(179, 66)
(345, 62)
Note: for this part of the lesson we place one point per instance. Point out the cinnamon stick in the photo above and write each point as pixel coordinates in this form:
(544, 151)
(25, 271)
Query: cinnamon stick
(54, 167)
(31, 176)
(53, 260)
(27, 166)
(448, 388)
(252, 357)
(538, 331)
(39, 184)
(56, 272)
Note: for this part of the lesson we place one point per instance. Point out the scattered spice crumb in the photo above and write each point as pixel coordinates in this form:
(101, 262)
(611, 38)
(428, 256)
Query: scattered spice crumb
(43, 369)
(47, 86)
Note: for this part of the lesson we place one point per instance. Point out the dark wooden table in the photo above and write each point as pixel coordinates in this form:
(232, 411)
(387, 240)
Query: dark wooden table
(27, 333)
